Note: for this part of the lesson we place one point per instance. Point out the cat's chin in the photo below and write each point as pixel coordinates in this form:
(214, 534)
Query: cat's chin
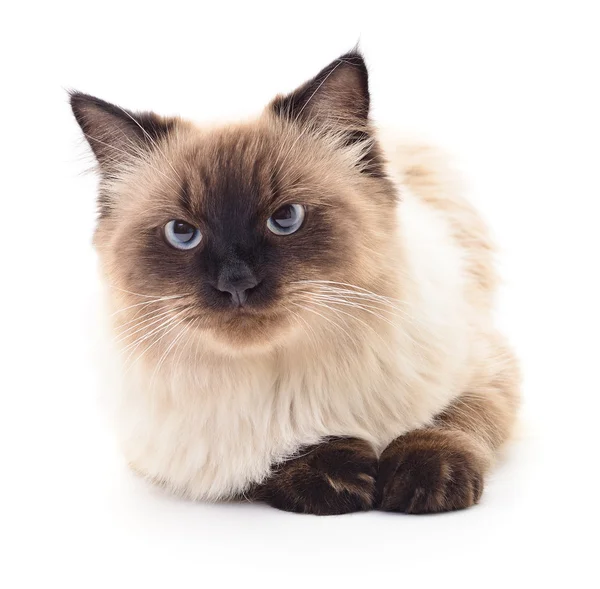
(248, 335)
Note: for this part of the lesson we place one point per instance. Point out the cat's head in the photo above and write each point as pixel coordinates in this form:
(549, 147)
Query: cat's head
(239, 234)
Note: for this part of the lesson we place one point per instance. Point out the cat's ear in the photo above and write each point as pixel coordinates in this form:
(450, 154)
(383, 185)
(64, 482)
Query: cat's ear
(338, 94)
(336, 99)
(117, 135)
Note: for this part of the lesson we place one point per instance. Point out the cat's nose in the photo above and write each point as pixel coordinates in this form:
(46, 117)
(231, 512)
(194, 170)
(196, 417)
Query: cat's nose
(238, 282)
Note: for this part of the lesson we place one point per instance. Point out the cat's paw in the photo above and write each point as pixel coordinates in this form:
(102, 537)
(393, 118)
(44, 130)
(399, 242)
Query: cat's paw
(429, 471)
(331, 478)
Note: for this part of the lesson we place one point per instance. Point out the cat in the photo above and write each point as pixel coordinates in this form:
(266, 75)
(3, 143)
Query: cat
(301, 312)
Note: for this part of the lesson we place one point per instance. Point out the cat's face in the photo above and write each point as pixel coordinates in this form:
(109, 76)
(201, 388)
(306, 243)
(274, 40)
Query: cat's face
(236, 233)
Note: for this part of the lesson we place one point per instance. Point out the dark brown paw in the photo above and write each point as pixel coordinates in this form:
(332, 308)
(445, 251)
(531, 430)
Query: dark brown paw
(429, 471)
(335, 477)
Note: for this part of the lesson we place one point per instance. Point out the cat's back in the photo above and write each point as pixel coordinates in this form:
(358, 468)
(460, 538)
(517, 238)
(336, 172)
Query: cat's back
(425, 171)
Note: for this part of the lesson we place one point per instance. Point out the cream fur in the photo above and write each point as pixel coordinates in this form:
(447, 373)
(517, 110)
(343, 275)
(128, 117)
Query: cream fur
(207, 425)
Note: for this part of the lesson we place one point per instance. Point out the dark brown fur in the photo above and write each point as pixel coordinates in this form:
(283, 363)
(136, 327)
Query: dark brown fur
(428, 471)
(331, 478)
(308, 104)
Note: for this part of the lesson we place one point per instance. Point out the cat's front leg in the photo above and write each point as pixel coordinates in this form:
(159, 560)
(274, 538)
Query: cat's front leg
(429, 471)
(442, 467)
(334, 477)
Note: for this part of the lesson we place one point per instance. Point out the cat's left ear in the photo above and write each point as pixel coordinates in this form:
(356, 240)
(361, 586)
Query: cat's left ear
(336, 99)
(116, 135)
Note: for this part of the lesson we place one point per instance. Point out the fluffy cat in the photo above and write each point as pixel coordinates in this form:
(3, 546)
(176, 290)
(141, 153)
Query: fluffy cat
(301, 312)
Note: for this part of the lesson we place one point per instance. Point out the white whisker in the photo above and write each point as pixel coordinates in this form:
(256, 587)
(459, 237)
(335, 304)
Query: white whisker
(153, 320)
(138, 318)
(328, 319)
(334, 310)
(142, 304)
(146, 336)
(139, 294)
(169, 330)
(312, 336)
(161, 360)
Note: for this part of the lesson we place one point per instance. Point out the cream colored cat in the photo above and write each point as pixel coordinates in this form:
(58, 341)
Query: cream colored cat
(301, 314)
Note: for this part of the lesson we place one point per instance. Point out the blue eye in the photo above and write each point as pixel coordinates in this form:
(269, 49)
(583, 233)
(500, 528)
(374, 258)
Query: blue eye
(286, 219)
(182, 235)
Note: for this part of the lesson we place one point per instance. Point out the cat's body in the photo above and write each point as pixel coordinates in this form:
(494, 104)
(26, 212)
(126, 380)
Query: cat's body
(402, 342)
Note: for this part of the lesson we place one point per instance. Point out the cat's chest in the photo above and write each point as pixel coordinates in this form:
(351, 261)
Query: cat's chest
(210, 433)
(232, 404)
(213, 429)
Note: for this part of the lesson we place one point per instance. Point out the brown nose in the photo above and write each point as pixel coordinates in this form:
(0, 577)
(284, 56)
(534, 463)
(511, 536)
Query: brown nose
(238, 282)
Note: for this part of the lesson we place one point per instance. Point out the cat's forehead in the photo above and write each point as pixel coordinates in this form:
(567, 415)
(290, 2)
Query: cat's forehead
(234, 170)
(243, 172)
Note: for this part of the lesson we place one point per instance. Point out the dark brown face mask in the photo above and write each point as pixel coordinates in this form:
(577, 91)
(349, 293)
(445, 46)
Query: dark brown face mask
(244, 213)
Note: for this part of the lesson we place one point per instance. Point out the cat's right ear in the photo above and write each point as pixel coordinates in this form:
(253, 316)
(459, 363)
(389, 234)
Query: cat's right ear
(116, 135)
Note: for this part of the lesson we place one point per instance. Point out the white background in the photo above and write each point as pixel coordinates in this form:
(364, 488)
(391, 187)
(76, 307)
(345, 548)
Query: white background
(511, 88)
